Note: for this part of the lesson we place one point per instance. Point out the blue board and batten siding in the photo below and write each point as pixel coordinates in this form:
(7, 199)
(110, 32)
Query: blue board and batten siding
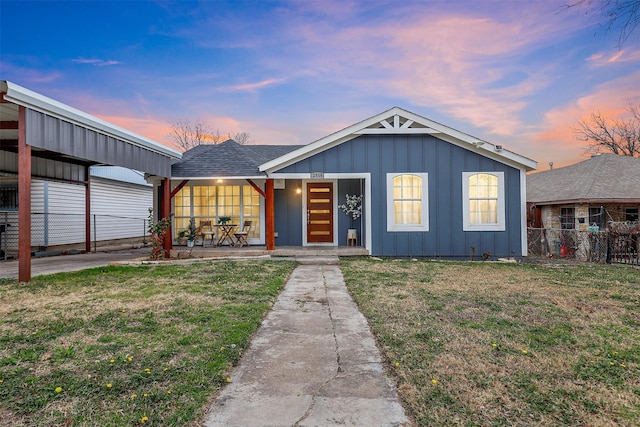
(444, 162)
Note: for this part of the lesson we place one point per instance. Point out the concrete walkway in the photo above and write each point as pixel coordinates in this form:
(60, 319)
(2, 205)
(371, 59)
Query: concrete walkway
(67, 263)
(313, 362)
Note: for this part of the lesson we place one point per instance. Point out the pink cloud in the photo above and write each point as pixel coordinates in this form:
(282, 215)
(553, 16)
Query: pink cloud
(440, 60)
(251, 87)
(610, 99)
(29, 75)
(606, 58)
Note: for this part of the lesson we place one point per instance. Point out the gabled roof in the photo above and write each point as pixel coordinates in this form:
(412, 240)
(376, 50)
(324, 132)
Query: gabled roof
(604, 178)
(228, 159)
(400, 121)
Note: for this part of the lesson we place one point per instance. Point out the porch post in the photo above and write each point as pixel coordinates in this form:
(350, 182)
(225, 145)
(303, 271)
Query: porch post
(166, 211)
(270, 226)
(24, 199)
(87, 209)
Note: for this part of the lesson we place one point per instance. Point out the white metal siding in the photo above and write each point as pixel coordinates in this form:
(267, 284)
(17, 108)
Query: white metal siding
(119, 209)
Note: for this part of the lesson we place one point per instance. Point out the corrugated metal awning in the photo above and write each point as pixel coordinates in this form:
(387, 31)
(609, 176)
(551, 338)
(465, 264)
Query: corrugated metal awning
(62, 133)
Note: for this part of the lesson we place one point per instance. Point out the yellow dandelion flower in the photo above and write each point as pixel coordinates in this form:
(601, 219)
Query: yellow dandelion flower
(145, 395)
(434, 381)
(623, 365)
(228, 379)
(129, 359)
(397, 364)
(109, 385)
(112, 361)
(615, 353)
(419, 324)
(494, 345)
(144, 419)
(525, 352)
(221, 348)
(123, 311)
(1, 381)
(58, 389)
(133, 396)
(165, 369)
(611, 363)
(168, 391)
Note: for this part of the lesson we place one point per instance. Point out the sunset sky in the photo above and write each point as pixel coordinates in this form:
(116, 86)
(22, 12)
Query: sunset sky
(516, 73)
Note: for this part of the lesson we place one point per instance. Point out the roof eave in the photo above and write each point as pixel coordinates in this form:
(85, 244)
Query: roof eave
(585, 201)
(35, 101)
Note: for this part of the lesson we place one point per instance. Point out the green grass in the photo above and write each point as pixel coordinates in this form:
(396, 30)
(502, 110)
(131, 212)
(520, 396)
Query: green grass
(110, 346)
(479, 344)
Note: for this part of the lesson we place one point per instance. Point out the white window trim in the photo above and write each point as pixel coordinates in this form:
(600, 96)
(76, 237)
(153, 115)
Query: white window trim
(391, 225)
(466, 223)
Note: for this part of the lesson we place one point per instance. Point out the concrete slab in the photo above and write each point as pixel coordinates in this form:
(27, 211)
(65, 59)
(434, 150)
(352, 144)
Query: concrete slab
(313, 362)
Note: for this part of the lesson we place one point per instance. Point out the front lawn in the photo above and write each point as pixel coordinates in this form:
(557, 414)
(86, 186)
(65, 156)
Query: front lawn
(505, 344)
(126, 346)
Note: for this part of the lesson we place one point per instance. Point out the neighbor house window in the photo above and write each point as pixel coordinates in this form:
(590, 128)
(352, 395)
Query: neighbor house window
(567, 218)
(407, 202)
(631, 214)
(596, 216)
(9, 197)
(483, 201)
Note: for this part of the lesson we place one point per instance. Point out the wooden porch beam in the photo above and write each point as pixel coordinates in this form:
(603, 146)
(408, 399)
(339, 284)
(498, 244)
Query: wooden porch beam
(8, 124)
(270, 217)
(178, 188)
(87, 210)
(166, 212)
(24, 200)
(258, 189)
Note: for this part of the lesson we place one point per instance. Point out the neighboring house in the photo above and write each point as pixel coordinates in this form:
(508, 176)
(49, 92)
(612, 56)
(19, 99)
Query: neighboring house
(604, 188)
(429, 190)
(120, 202)
(568, 206)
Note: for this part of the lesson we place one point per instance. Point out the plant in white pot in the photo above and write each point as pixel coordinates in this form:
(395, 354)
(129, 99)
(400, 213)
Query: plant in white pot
(190, 233)
(353, 208)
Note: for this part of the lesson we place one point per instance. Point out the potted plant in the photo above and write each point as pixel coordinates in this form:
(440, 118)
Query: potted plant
(190, 233)
(353, 208)
(224, 219)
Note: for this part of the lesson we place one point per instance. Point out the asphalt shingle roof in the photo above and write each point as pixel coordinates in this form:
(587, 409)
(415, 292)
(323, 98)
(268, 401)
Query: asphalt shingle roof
(228, 159)
(602, 178)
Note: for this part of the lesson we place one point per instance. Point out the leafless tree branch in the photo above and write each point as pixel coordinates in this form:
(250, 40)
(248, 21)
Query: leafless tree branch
(621, 16)
(186, 134)
(618, 136)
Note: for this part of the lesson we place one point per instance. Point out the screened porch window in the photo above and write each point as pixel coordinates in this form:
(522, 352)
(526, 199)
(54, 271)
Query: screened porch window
(210, 202)
(483, 201)
(407, 202)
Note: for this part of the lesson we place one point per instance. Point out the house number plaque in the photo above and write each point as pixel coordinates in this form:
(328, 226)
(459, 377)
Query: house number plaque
(317, 175)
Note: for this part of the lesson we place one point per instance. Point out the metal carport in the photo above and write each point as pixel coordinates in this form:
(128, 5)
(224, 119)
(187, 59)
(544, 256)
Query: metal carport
(43, 138)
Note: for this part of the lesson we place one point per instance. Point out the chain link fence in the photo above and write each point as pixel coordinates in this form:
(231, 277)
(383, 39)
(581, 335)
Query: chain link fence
(50, 231)
(619, 243)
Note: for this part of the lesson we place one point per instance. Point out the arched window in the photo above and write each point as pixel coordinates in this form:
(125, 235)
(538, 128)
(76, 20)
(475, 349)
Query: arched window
(407, 202)
(483, 201)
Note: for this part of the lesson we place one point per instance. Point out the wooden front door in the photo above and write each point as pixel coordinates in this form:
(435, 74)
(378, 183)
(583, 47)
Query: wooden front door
(320, 212)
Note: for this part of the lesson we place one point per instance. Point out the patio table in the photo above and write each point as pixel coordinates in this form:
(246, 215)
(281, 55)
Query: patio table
(225, 231)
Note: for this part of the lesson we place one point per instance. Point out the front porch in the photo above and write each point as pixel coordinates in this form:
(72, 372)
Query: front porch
(261, 250)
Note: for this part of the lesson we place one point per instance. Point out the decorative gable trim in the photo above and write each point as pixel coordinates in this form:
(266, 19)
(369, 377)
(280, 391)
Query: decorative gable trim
(400, 121)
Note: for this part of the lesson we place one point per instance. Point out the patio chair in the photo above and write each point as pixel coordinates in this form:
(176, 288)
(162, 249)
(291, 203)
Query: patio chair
(206, 231)
(242, 235)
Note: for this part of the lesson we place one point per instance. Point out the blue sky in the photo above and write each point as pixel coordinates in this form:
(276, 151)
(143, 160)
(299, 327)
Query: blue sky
(516, 73)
